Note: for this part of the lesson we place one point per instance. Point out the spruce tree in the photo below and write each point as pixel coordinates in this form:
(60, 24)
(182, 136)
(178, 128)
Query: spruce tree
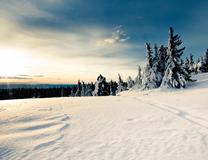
(130, 82)
(79, 89)
(113, 88)
(204, 62)
(89, 89)
(162, 58)
(83, 89)
(101, 87)
(191, 63)
(138, 79)
(175, 74)
(122, 86)
(150, 79)
(187, 65)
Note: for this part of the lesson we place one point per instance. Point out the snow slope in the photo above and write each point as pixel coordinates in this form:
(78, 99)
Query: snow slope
(155, 125)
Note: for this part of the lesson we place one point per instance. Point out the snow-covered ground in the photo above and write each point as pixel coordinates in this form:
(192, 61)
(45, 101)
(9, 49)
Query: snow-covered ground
(155, 125)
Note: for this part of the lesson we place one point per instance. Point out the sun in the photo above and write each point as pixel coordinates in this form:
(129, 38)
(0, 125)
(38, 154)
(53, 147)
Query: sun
(13, 62)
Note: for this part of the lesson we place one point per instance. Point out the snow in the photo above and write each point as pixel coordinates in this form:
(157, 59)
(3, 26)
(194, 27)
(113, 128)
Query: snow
(148, 125)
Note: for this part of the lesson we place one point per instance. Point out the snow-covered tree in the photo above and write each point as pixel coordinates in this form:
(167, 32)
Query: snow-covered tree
(204, 62)
(79, 89)
(156, 53)
(122, 86)
(130, 82)
(175, 74)
(150, 77)
(162, 58)
(186, 65)
(113, 87)
(191, 63)
(89, 89)
(157, 67)
(83, 89)
(101, 87)
(138, 79)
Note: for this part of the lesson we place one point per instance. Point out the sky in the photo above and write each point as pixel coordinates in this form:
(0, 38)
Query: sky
(61, 41)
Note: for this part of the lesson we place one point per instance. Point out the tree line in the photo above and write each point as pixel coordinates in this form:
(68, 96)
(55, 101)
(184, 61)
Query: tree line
(21, 93)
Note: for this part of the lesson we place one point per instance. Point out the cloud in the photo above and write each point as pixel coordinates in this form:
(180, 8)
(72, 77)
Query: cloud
(28, 76)
(117, 36)
(15, 78)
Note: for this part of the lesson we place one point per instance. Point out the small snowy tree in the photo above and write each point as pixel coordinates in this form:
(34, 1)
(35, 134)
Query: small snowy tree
(101, 87)
(138, 79)
(89, 89)
(191, 63)
(79, 89)
(113, 87)
(204, 62)
(122, 86)
(83, 89)
(175, 74)
(186, 65)
(130, 82)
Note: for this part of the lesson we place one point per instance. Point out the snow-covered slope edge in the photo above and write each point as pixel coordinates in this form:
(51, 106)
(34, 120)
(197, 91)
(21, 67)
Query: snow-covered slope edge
(153, 125)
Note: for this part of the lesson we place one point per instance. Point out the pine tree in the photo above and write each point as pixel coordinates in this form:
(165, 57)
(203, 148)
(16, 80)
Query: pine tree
(162, 58)
(138, 79)
(89, 90)
(79, 89)
(113, 88)
(197, 67)
(101, 87)
(122, 86)
(130, 82)
(150, 77)
(83, 90)
(157, 67)
(156, 53)
(204, 62)
(175, 74)
(186, 65)
(191, 63)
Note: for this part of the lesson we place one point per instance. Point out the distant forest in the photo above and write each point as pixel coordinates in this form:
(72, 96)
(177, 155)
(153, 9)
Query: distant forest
(21, 93)
(164, 68)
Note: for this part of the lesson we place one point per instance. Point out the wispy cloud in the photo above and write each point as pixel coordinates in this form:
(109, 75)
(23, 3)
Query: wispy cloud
(15, 78)
(117, 36)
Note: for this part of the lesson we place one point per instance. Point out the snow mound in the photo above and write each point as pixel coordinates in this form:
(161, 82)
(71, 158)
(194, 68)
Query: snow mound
(159, 125)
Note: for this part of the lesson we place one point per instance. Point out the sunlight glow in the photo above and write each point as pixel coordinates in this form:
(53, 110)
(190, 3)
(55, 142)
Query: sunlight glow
(13, 62)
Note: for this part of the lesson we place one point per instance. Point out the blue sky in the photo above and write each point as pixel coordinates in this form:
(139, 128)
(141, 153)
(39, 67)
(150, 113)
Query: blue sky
(80, 39)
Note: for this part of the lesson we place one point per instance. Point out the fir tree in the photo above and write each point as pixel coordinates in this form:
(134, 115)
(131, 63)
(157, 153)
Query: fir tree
(175, 74)
(113, 88)
(204, 62)
(130, 82)
(89, 89)
(186, 65)
(138, 79)
(162, 58)
(101, 87)
(83, 90)
(79, 89)
(150, 79)
(191, 63)
(122, 86)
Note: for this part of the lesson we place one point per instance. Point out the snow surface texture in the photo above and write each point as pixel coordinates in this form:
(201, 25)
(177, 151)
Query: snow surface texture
(154, 125)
